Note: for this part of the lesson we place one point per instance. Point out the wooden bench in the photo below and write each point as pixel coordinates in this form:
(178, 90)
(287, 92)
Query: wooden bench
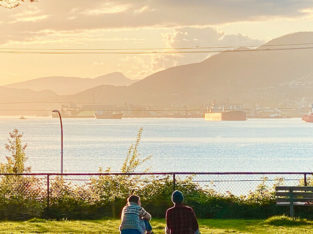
(294, 196)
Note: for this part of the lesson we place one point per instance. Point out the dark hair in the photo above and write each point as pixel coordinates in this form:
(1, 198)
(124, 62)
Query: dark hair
(133, 198)
(177, 197)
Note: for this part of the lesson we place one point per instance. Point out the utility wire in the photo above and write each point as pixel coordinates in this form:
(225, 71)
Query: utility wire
(156, 48)
(160, 110)
(149, 52)
(30, 102)
(122, 110)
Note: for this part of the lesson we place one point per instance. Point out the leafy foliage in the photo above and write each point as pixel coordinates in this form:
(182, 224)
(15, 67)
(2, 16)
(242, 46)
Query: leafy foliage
(19, 195)
(23, 197)
(17, 158)
(12, 3)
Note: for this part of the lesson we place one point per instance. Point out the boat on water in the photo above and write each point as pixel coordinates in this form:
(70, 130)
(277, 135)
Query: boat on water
(108, 115)
(308, 117)
(226, 116)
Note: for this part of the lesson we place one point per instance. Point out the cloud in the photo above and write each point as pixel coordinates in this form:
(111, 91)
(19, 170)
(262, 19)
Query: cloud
(30, 19)
(197, 37)
(108, 8)
(185, 37)
(137, 24)
(193, 37)
(71, 15)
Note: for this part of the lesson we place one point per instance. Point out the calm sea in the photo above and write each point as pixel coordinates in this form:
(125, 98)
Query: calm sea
(174, 144)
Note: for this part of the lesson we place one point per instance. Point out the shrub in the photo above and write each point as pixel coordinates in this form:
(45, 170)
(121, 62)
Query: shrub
(286, 221)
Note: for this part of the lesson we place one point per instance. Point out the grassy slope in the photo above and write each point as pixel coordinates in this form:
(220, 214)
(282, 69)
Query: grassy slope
(111, 226)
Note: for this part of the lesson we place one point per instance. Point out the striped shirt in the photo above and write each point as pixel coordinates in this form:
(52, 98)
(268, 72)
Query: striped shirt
(132, 215)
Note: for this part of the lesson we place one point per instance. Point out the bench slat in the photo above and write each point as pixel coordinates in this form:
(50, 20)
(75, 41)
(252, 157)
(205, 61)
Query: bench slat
(295, 204)
(294, 200)
(294, 188)
(295, 194)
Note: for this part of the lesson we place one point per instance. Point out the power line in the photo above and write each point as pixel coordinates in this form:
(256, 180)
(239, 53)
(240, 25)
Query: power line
(110, 110)
(154, 48)
(30, 102)
(150, 52)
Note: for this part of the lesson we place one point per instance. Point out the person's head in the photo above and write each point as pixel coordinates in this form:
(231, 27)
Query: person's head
(133, 199)
(177, 197)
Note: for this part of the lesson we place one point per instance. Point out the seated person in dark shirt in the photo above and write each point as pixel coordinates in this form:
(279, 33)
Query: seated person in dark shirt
(180, 219)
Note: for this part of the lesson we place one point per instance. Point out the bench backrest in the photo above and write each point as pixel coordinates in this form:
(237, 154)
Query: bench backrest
(294, 196)
(298, 195)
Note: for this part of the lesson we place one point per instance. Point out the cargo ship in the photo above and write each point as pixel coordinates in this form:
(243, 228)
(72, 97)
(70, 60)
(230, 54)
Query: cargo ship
(108, 115)
(226, 116)
(308, 117)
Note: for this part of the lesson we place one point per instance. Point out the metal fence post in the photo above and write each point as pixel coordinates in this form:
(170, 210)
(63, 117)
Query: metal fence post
(174, 181)
(305, 181)
(48, 193)
(291, 204)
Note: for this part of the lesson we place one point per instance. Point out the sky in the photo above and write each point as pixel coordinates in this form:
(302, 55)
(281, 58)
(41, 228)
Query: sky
(135, 25)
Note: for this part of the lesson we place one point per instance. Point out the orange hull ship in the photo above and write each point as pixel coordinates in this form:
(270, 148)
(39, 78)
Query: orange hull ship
(308, 117)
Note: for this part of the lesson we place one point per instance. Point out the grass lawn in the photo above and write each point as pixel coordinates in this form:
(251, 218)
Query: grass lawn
(111, 226)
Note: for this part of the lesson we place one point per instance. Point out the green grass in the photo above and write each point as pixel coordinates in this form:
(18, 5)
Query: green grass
(279, 224)
(287, 221)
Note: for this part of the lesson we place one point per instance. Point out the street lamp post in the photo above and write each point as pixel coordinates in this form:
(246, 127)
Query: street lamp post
(60, 117)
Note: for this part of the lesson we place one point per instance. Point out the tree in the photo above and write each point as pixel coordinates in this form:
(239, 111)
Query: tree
(20, 193)
(109, 188)
(12, 3)
(15, 161)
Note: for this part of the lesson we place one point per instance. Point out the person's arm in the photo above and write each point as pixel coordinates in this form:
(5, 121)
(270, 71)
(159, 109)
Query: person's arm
(123, 213)
(168, 223)
(144, 214)
(194, 222)
(122, 218)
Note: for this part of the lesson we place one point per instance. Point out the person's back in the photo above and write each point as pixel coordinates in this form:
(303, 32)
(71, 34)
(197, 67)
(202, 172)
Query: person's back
(180, 219)
(134, 218)
(131, 217)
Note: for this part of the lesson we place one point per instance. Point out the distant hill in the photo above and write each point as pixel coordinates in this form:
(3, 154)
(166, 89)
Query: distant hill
(27, 102)
(251, 77)
(71, 85)
(10, 95)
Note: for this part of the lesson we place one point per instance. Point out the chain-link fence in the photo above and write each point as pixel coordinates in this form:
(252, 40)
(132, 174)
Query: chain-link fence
(82, 195)
(242, 183)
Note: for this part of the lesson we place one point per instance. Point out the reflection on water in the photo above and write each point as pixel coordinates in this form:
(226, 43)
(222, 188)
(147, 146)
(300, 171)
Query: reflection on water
(175, 144)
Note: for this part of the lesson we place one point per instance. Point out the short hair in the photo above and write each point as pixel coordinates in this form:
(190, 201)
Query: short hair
(177, 197)
(133, 198)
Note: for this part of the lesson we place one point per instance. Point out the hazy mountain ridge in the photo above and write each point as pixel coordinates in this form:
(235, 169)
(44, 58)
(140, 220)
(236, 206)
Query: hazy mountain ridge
(252, 77)
(234, 77)
(12, 95)
(72, 85)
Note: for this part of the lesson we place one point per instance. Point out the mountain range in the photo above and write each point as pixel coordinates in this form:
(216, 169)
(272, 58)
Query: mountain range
(276, 73)
(72, 85)
(279, 72)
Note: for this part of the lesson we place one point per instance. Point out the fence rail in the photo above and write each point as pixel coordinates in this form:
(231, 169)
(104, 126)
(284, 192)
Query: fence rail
(46, 187)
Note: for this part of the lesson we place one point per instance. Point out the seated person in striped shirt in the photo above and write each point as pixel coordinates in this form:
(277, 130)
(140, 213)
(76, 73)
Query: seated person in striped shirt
(135, 220)
(180, 219)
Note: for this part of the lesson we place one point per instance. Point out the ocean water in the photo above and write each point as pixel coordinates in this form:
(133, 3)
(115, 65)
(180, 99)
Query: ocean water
(192, 145)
